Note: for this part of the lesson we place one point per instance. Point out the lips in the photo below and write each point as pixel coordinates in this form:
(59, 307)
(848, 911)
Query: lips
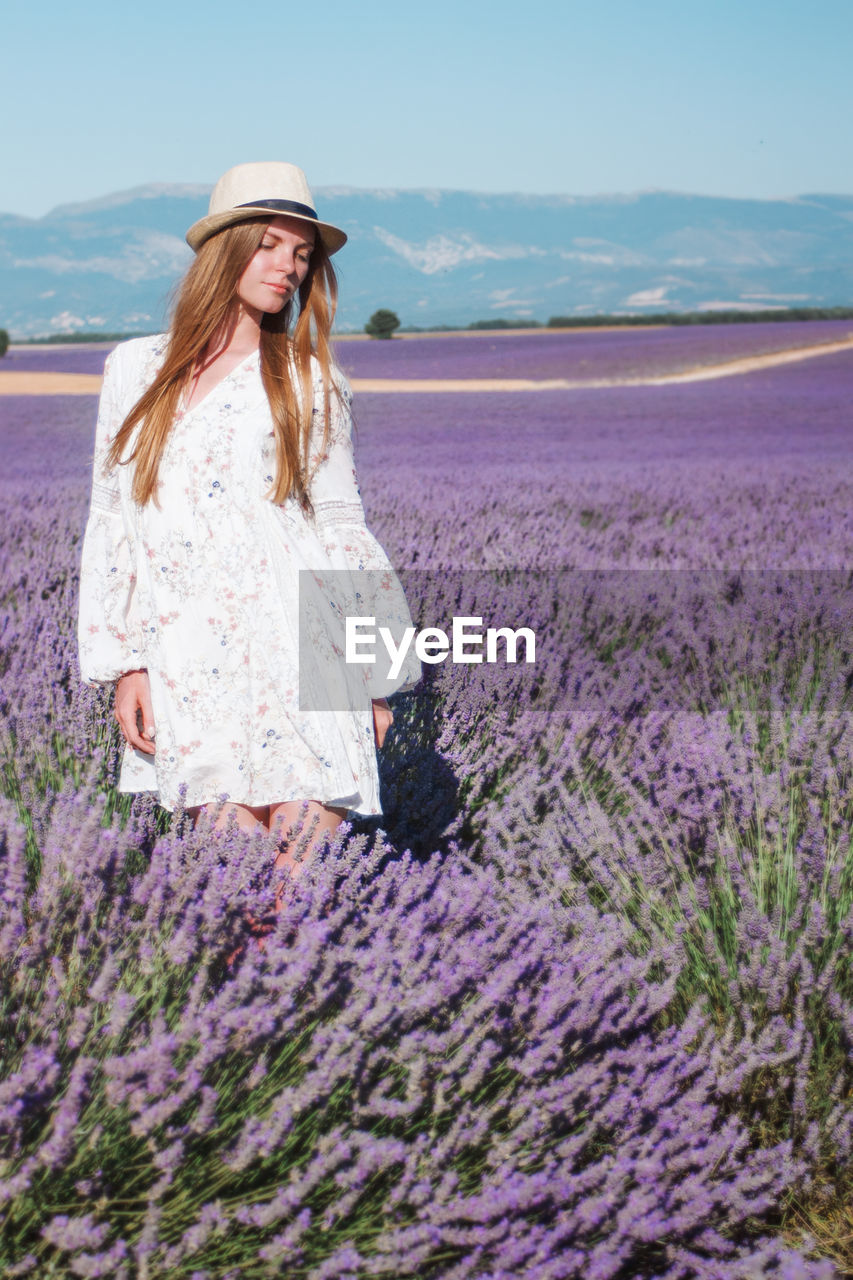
(278, 288)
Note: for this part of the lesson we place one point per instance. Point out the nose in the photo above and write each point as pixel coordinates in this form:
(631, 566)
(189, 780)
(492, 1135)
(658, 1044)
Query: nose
(286, 260)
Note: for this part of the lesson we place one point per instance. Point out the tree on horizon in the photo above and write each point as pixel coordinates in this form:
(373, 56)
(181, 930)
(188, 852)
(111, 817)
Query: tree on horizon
(382, 323)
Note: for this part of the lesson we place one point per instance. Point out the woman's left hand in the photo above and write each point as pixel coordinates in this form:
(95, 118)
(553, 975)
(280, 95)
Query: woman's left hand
(383, 718)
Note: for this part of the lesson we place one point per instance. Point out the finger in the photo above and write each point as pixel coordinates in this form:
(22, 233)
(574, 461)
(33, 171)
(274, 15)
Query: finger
(122, 715)
(126, 715)
(135, 738)
(149, 727)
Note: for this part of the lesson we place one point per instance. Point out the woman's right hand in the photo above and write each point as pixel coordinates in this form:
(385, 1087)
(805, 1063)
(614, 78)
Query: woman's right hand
(133, 695)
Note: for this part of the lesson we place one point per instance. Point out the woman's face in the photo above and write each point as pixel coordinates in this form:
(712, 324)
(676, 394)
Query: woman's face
(278, 267)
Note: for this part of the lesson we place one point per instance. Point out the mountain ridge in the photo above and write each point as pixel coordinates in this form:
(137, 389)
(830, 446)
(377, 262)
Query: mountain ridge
(446, 255)
(150, 190)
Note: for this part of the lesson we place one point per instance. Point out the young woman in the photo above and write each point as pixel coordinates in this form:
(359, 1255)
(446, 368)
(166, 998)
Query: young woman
(223, 468)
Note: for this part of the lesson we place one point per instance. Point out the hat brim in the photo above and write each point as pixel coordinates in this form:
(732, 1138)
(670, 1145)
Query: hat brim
(333, 238)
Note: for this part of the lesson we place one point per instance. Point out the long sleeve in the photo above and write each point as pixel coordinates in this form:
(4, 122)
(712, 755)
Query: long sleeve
(108, 634)
(349, 544)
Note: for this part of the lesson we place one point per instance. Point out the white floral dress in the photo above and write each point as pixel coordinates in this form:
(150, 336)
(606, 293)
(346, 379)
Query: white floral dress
(202, 591)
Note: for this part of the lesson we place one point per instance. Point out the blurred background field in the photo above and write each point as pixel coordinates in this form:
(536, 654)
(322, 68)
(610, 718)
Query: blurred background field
(579, 353)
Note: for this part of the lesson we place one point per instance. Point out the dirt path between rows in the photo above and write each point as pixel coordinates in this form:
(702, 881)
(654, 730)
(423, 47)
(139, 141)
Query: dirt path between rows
(19, 383)
(49, 384)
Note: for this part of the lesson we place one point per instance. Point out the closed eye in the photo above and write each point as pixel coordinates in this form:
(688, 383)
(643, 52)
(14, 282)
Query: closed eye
(304, 255)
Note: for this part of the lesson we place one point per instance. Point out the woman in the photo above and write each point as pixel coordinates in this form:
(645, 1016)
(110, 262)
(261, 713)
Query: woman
(223, 467)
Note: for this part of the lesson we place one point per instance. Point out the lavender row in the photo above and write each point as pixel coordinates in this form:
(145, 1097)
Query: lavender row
(578, 354)
(410, 1079)
(754, 471)
(88, 358)
(796, 414)
(581, 354)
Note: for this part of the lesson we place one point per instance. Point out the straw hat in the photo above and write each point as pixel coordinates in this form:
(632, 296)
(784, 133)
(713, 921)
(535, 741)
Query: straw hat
(274, 188)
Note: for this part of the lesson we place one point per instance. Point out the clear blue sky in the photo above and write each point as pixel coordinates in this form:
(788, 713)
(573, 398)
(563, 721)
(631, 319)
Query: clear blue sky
(724, 97)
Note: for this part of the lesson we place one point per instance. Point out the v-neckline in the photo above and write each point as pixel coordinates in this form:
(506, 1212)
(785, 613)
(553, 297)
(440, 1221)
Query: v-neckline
(186, 409)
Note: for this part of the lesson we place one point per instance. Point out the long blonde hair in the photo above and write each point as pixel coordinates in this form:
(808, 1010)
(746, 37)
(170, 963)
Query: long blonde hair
(206, 304)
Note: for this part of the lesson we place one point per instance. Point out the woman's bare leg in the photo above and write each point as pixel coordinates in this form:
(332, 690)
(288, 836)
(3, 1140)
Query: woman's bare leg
(249, 817)
(314, 823)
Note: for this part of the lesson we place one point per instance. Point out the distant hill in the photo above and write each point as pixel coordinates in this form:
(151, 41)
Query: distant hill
(447, 257)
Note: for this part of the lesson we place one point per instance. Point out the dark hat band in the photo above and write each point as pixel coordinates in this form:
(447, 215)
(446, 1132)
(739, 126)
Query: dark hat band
(281, 206)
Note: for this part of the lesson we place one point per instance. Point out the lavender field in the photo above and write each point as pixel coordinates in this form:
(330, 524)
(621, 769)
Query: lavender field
(572, 354)
(57, 359)
(579, 353)
(581, 1003)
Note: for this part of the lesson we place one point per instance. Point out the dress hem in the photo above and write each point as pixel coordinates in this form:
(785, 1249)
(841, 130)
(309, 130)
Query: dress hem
(337, 803)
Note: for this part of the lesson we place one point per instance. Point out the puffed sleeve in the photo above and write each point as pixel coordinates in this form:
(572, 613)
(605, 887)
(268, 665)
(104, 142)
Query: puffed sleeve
(349, 544)
(108, 634)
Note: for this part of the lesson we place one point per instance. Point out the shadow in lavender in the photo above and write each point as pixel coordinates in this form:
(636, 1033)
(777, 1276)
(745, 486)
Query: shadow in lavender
(419, 789)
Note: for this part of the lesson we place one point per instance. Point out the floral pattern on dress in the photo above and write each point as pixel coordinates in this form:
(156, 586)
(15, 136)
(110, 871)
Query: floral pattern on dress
(201, 589)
